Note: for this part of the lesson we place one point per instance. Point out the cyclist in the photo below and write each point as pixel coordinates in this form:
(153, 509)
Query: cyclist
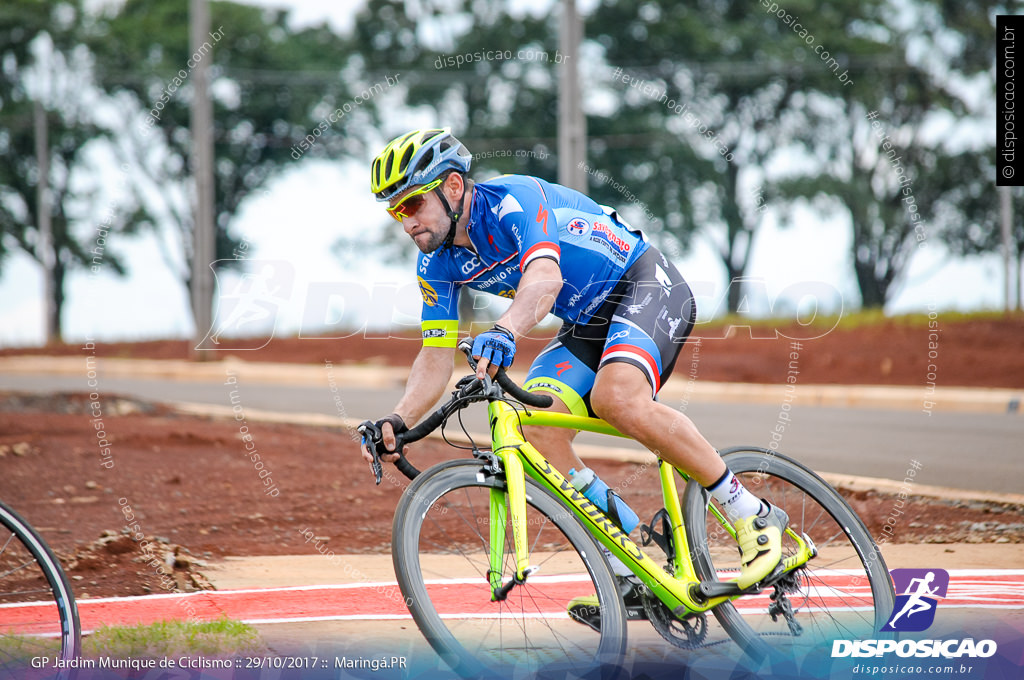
(626, 310)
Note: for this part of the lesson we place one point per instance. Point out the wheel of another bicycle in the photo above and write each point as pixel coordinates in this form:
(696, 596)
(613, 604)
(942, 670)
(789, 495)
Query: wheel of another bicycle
(38, 615)
(440, 546)
(843, 593)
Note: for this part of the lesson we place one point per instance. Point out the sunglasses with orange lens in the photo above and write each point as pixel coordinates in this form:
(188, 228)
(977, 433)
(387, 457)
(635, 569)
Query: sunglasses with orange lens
(413, 201)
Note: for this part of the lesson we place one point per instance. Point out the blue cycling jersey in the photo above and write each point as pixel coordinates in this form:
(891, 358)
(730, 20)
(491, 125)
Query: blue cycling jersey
(515, 219)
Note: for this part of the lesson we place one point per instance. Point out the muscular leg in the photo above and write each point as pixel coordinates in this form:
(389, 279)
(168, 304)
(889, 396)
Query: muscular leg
(622, 397)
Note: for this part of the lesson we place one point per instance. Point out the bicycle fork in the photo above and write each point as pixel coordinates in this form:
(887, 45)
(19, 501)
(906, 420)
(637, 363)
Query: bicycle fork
(504, 502)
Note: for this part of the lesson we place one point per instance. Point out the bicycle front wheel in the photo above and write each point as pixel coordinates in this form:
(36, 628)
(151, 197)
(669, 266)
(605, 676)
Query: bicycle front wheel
(843, 593)
(441, 546)
(38, 616)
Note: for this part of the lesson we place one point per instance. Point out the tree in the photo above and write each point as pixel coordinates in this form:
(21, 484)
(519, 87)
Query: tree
(720, 89)
(44, 70)
(455, 63)
(969, 219)
(879, 156)
(715, 112)
(275, 94)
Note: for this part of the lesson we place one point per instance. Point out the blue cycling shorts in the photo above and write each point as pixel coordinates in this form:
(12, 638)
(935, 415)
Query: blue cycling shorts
(644, 321)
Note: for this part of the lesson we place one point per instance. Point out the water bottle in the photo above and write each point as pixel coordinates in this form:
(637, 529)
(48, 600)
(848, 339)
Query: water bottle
(597, 492)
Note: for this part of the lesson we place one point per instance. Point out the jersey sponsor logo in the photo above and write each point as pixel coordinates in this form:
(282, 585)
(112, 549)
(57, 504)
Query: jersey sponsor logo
(663, 279)
(470, 265)
(498, 276)
(508, 205)
(635, 309)
(673, 325)
(562, 368)
(434, 333)
(578, 227)
(542, 218)
(428, 292)
(547, 386)
(604, 235)
(597, 301)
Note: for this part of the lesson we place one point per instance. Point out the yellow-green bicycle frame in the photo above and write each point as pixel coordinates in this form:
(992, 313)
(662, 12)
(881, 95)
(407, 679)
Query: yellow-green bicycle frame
(520, 458)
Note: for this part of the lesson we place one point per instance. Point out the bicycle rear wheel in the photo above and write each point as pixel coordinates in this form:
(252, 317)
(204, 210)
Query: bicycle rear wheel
(38, 615)
(843, 593)
(440, 545)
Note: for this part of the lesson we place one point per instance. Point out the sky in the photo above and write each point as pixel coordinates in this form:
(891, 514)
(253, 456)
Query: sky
(291, 226)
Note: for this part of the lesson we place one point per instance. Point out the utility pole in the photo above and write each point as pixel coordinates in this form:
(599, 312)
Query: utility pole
(45, 226)
(202, 169)
(1009, 254)
(572, 125)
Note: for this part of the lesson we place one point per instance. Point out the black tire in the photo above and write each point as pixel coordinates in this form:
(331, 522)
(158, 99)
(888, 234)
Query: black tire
(440, 538)
(32, 581)
(845, 592)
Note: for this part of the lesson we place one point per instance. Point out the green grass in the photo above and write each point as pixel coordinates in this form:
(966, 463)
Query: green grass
(860, 319)
(174, 638)
(19, 649)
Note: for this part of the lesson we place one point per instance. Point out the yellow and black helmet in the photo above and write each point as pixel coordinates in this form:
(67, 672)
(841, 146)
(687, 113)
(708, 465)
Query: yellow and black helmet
(417, 157)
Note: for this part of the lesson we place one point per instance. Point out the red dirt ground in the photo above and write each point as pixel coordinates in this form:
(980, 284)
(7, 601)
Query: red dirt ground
(190, 486)
(976, 352)
(194, 492)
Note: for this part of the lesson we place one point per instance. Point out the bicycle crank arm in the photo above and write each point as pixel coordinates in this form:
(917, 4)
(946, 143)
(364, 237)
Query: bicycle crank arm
(501, 593)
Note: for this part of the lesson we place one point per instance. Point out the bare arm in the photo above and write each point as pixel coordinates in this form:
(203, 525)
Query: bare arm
(427, 379)
(535, 297)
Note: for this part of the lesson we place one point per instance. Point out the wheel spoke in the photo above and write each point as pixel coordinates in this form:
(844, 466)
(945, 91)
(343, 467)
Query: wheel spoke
(30, 574)
(839, 593)
(531, 626)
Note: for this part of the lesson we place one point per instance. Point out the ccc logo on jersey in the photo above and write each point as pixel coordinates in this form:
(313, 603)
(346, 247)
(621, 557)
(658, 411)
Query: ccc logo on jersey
(428, 292)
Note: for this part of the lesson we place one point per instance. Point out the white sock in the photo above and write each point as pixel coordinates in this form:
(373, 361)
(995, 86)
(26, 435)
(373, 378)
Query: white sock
(617, 565)
(734, 497)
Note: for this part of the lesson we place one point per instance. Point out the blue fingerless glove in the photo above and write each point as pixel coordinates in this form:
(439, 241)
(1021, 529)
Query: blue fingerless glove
(498, 346)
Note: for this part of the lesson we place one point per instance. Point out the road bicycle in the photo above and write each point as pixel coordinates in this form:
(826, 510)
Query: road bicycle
(38, 614)
(488, 552)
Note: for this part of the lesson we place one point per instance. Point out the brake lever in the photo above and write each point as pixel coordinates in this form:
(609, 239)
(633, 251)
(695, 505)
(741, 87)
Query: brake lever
(371, 445)
(491, 388)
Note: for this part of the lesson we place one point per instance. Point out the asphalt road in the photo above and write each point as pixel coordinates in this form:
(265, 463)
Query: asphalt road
(968, 451)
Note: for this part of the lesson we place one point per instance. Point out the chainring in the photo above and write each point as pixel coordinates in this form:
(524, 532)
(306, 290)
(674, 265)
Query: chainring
(688, 633)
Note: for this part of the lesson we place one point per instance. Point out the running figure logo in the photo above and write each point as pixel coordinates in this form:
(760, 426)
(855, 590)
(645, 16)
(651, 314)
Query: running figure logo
(250, 307)
(915, 609)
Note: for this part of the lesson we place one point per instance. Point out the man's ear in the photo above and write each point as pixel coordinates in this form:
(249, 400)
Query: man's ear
(453, 187)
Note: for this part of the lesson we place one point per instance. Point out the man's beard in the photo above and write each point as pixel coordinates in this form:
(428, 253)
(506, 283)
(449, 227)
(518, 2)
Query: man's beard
(435, 242)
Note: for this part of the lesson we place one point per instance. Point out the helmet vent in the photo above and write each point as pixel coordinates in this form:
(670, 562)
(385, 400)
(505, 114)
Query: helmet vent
(406, 157)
